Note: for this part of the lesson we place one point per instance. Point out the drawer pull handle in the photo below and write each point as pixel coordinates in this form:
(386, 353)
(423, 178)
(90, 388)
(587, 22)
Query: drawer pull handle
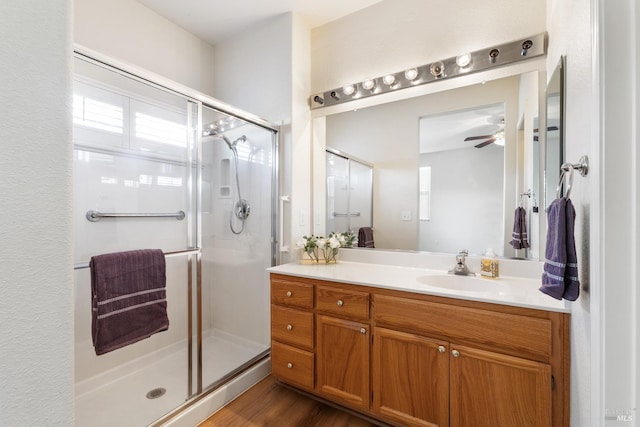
(441, 349)
(455, 353)
(289, 327)
(289, 293)
(340, 303)
(363, 331)
(290, 365)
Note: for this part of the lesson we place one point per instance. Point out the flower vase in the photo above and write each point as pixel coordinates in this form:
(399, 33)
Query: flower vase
(309, 257)
(331, 256)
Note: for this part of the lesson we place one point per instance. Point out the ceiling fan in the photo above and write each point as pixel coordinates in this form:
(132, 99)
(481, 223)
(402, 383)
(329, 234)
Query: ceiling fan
(495, 138)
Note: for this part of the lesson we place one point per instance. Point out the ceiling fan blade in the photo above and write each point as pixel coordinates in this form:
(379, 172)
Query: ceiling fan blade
(549, 128)
(487, 142)
(473, 138)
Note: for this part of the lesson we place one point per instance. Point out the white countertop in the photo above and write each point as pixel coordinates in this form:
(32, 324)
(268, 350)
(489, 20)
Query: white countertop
(514, 291)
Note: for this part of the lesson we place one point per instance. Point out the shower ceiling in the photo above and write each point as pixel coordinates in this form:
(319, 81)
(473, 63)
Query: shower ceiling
(215, 21)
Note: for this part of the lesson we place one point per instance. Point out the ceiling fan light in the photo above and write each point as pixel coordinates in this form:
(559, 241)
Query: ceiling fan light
(499, 141)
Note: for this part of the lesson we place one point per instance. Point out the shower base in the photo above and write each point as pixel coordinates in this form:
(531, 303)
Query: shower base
(119, 397)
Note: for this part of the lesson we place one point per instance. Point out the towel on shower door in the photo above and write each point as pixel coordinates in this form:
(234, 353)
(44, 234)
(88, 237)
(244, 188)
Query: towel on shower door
(560, 276)
(128, 298)
(519, 235)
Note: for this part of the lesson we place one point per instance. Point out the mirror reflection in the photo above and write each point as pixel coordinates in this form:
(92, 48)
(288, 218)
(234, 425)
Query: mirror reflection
(475, 209)
(461, 180)
(554, 149)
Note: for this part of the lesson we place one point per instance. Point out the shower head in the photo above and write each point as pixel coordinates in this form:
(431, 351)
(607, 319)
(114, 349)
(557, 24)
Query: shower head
(232, 145)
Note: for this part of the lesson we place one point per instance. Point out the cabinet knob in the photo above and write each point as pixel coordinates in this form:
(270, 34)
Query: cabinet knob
(289, 365)
(441, 349)
(289, 293)
(289, 327)
(340, 303)
(363, 331)
(455, 353)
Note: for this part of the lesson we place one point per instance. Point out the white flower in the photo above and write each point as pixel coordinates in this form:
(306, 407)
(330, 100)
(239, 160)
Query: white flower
(301, 243)
(321, 243)
(342, 239)
(334, 243)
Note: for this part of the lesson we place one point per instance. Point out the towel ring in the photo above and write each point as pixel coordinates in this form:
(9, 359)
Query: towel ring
(566, 168)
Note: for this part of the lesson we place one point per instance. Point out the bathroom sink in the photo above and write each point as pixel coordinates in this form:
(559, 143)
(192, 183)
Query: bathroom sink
(463, 283)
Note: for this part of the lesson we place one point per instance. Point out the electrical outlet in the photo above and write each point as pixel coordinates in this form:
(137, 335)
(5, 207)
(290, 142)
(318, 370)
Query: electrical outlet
(406, 216)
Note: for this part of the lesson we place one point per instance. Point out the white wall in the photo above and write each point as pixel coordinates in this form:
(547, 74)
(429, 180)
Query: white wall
(129, 31)
(266, 71)
(570, 34)
(36, 317)
(393, 35)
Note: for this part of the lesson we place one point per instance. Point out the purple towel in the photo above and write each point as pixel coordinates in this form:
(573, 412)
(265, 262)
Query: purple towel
(128, 298)
(519, 235)
(560, 276)
(365, 237)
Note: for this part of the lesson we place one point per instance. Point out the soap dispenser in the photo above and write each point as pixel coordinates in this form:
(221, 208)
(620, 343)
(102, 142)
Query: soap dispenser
(489, 265)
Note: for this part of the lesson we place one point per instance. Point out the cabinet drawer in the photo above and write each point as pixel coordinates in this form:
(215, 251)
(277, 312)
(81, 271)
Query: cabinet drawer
(517, 334)
(292, 326)
(291, 293)
(292, 364)
(342, 302)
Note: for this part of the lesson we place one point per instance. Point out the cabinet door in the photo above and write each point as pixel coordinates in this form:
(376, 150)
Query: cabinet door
(491, 389)
(410, 378)
(343, 360)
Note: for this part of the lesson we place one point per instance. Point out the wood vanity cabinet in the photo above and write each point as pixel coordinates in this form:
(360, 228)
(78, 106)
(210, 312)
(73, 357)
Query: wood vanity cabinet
(418, 360)
(343, 345)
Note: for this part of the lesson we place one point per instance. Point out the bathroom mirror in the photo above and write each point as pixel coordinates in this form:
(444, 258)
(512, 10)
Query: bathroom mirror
(388, 137)
(554, 152)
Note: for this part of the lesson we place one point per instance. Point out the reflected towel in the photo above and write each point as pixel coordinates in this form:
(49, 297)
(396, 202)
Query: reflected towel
(560, 276)
(519, 238)
(365, 237)
(128, 298)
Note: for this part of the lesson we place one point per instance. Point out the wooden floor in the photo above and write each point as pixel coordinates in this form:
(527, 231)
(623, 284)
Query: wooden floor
(271, 404)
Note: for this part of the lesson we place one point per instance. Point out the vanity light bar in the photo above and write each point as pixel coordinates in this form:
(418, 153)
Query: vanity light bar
(479, 60)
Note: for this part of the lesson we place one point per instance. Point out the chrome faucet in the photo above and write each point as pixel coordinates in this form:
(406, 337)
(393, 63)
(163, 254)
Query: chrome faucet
(461, 267)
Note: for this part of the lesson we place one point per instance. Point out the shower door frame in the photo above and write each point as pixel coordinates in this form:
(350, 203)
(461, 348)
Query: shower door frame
(199, 100)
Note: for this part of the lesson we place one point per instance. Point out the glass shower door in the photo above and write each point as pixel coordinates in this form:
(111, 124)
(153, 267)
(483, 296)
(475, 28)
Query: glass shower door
(237, 233)
(349, 194)
(132, 155)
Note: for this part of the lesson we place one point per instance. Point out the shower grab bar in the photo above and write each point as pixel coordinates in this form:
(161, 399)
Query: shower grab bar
(346, 214)
(283, 200)
(95, 216)
(82, 265)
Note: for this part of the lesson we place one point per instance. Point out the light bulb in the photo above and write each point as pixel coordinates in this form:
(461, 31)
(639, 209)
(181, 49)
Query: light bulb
(437, 69)
(389, 79)
(463, 60)
(349, 90)
(411, 74)
(499, 140)
(368, 84)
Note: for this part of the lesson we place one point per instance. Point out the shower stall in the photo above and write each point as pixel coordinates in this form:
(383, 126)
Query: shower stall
(157, 166)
